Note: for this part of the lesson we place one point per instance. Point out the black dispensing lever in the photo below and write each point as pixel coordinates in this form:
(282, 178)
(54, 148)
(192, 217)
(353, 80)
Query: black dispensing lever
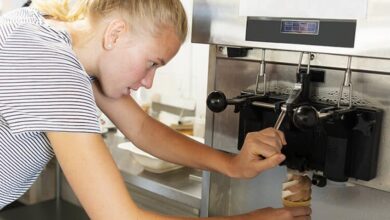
(217, 101)
(304, 117)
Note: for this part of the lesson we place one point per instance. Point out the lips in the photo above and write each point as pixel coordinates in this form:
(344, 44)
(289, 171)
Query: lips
(127, 91)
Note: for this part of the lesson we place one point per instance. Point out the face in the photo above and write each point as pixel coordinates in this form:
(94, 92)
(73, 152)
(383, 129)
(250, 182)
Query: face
(132, 61)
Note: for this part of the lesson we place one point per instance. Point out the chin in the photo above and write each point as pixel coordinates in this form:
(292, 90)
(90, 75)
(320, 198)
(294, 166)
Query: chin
(112, 94)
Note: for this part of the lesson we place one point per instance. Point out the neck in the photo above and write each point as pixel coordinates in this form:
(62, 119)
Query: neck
(85, 42)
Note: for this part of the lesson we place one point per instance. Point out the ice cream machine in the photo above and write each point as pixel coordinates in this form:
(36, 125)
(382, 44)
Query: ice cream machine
(323, 79)
(335, 141)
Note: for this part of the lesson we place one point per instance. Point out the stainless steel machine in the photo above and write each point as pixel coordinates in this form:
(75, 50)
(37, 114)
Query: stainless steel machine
(325, 76)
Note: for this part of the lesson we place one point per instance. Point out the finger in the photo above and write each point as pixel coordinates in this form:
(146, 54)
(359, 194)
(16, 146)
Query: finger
(300, 211)
(282, 137)
(273, 133)
(269, 162)
(265, 150)
(256, 138)
(276, 133)
(272, 141)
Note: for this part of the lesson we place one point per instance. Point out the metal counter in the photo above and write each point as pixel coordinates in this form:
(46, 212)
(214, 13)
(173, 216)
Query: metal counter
(183, 185)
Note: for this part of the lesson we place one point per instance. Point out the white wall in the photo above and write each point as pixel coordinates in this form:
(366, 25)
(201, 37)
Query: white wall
(6, 5)
(185, 77)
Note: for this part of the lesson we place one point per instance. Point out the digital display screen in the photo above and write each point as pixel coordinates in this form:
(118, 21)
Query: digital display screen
(300, 27)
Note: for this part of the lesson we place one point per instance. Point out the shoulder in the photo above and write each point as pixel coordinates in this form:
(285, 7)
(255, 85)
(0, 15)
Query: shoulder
(30, 33)
(29, 21)
(39, 50)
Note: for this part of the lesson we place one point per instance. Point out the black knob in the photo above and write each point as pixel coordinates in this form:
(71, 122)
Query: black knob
(216, 101)
(305, 117)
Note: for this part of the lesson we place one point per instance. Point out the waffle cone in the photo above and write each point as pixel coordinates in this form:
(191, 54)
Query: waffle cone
(287, 203)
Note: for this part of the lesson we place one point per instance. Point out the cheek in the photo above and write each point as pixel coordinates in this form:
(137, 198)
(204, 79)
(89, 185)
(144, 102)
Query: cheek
(138, 74)
(108, 64)
(110, 76)
(136, 70)
(122, 69)
(112, 68)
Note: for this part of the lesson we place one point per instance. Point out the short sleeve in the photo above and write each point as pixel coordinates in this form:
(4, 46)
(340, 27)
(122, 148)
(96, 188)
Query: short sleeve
(50, 103)
(44, 88)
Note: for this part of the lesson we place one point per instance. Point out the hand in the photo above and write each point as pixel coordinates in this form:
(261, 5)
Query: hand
(261, 151)
(295, 213)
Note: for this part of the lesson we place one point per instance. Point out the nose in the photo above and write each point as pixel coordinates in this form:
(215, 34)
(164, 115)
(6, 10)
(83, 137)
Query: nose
(147, 81)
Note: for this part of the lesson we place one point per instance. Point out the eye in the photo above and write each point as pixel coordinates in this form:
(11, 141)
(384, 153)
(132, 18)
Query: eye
(152, 64)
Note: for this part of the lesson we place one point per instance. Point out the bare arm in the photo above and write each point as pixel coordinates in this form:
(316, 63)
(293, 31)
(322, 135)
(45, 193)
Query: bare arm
(158, 139)
(92, 174)
(94, 177)
(163, 142)
(90, 170)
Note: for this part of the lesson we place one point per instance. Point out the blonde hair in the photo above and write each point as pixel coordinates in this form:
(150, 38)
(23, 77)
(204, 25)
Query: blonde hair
(157, 14)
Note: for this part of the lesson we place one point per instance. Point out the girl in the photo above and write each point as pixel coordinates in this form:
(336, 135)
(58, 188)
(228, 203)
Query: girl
(58, 59)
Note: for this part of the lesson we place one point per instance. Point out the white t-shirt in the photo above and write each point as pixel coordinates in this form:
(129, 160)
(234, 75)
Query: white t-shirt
(43, 87)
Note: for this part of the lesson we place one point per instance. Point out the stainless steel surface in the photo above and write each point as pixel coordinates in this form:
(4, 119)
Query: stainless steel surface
(212, 19)
(209, 137)
(354, 200)
(262, 74)
(176, 185)
(300, 61)
(280, 119)
(58, 183)
(340, 9)
(347, 82)
(263, 104)
(156, 203)
(205, 200)
(335, 201)
(320, 60)
(144, 199)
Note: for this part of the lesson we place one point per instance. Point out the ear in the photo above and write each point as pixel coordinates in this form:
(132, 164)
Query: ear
(114, 31)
